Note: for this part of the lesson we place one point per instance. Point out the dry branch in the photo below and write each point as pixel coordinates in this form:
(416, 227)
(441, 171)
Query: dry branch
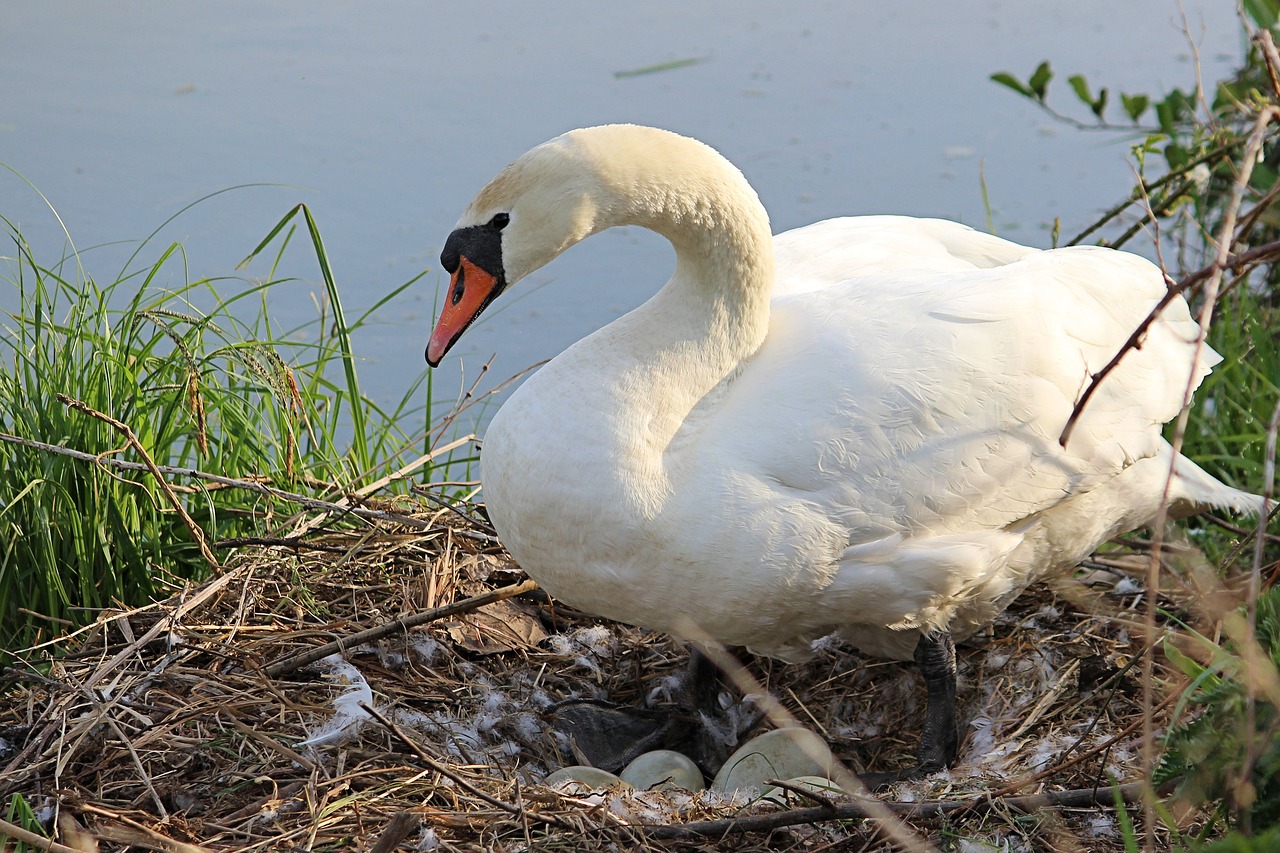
(1262, 254)
(124, 429)
(37, 841)
(1129, 793)
(399, 626)
(304, 501)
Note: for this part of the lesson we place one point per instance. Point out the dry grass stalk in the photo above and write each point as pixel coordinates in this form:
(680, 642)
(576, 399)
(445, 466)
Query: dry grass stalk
(124, 429)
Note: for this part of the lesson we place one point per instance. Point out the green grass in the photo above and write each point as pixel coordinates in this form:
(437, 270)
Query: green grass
(224, 390)
(20, 814)
(1224, 746)
(1227, 430)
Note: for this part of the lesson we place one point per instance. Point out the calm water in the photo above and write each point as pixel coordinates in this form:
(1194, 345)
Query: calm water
(386, 117)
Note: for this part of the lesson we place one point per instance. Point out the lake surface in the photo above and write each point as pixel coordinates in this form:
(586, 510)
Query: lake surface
(385, 118)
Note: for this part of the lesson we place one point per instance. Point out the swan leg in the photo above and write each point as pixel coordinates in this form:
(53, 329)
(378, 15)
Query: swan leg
(935, 655)
(702, 683)
(939, 741)
(718, 730)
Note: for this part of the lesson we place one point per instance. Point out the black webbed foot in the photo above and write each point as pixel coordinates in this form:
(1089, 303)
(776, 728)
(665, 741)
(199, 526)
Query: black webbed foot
(609, 736)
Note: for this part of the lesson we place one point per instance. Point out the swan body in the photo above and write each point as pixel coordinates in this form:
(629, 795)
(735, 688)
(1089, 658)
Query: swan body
(852, 426)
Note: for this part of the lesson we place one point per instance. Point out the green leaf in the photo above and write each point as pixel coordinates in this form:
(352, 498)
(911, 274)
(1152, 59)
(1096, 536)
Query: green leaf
(1264, 13)
(1099, 105)
(1150, 145)
(1127, 831)
(1134, 105)
(1238, 842)
(1039, 81)
(1171, 110)
(1004, 78)
(1189, 666)
(1263, 178)
(1081, 87)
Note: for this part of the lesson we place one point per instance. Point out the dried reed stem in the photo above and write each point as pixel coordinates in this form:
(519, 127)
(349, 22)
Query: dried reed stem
(1130, 793)
(196, 532)
(39, 842)
(399, 626)
(304, 501)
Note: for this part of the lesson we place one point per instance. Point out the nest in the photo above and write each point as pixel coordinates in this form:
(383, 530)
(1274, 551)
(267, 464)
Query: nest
(194, 724)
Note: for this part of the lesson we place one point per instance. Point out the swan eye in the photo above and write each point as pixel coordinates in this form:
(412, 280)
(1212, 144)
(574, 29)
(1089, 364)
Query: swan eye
(499, 221)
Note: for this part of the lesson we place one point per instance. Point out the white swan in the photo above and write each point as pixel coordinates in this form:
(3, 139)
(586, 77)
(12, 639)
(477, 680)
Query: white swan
(851, 426)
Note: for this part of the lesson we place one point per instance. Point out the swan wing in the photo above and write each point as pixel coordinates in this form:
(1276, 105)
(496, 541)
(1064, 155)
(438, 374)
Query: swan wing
(928, 398)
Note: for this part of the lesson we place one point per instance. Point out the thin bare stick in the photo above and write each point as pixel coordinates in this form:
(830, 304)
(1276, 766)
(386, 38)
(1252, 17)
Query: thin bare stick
(345, 503)
(304, 501)
(804, 793)
(39, 842)
(399, 626)
(124, 429)
(1266, 252)
(405, 470)
(143, 834)
(145, 777)
(1130, 792)
(1151, 187)
(468, 399)
(270, 743)
(1268, 45)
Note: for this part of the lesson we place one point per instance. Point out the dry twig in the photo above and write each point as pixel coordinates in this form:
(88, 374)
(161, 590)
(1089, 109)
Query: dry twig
(398, 626)
(196, 532)
(304, 501)
(1262, 254)
(1128, 793)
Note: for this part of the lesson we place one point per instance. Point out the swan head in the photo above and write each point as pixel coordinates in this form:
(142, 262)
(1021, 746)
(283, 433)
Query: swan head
(581, 183)
(537, 207)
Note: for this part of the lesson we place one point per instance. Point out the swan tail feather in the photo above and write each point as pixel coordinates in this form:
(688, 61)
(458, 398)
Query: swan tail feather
(1197, 491)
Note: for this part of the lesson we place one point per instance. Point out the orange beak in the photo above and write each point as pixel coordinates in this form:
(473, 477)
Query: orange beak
(471, 289)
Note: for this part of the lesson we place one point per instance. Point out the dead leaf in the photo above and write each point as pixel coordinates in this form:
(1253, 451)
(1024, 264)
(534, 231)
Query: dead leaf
(499, 627)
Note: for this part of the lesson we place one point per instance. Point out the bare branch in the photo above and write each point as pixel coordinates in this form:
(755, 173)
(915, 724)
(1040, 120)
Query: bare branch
(305, 501)
(1261, 254)
(398, 626)
(1128, 793)
(124, 429)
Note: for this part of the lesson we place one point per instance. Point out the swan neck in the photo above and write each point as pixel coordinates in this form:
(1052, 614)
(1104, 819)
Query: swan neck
(720, 232)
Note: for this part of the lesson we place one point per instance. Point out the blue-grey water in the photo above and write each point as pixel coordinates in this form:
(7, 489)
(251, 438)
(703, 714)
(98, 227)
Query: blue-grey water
(386, 117)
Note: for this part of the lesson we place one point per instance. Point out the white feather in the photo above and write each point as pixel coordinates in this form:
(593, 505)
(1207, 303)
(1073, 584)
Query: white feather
(348, 715)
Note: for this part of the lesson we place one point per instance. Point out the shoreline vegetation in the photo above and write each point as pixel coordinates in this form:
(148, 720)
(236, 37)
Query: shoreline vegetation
(225, 628)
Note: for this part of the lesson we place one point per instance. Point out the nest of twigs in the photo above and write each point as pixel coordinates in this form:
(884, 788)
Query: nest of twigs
(195, 724)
